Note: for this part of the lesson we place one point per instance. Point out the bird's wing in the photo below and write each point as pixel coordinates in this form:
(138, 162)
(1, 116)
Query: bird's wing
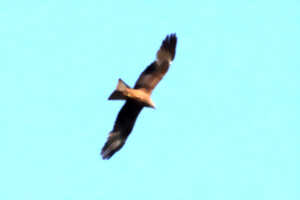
(151, 76)
(122, 128)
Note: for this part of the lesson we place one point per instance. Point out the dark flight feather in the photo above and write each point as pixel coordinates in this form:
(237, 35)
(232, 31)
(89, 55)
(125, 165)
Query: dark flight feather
(122, 128)
(151, 76)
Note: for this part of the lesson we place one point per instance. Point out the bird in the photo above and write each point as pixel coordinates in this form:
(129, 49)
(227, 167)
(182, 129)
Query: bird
(138, 97)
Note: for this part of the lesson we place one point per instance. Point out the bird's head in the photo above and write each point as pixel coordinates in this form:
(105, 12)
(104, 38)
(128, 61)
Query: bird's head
(150, 103)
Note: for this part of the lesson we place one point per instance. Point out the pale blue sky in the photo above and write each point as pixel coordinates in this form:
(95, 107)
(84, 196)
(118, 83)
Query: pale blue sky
(227, 119)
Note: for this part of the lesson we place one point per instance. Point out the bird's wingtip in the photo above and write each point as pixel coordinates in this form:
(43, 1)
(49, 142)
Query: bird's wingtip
(113, 144)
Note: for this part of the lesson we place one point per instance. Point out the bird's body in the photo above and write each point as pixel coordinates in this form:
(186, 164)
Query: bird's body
(138, 97)
(123, 91)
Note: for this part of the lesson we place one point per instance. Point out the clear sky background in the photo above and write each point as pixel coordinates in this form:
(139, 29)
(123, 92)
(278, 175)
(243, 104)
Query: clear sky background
(227, 119)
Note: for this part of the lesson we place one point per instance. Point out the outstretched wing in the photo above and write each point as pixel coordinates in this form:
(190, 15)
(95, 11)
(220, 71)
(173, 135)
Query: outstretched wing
(122, 128)
(151, 76)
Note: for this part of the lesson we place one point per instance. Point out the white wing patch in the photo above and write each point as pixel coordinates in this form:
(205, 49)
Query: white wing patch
(163, 55)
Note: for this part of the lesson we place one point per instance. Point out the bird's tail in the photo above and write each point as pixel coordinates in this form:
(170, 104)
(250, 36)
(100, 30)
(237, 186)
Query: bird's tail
(167, 49)
(113, 144)
(118, 93)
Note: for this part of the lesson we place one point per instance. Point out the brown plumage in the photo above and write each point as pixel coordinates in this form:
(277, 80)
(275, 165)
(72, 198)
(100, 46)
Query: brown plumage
(138, 97)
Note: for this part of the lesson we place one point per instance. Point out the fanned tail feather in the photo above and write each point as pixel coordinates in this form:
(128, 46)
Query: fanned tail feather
(118, 93)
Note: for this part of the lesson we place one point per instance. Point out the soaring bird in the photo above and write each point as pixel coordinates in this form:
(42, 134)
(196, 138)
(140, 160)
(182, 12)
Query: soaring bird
(138, 97)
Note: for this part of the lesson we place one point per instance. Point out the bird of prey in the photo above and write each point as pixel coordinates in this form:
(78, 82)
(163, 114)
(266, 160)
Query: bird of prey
(138, 97)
